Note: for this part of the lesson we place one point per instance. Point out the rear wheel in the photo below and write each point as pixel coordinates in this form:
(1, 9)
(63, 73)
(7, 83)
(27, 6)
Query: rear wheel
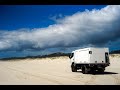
(92, 70)
(101, 70)
(73, 67)
(84, 70)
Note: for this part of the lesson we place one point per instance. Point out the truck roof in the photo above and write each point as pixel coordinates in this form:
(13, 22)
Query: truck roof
(88, 48)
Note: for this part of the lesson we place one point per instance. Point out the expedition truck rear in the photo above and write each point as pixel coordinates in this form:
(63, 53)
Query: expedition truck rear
(89, 60)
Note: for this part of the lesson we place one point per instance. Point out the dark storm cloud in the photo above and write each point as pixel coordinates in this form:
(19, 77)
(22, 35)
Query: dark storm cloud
(88, 28)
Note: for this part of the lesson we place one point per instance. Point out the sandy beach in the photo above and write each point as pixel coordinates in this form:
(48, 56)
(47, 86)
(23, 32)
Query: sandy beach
(55, 71)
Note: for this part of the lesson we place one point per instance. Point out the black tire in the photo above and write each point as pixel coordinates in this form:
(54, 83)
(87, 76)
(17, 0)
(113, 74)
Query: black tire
(73, 68)
(84, 70)
(92, 70)
(101, 70)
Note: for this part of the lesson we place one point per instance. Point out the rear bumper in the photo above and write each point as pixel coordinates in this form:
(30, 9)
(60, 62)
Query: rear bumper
(99, 64)
(94, 64)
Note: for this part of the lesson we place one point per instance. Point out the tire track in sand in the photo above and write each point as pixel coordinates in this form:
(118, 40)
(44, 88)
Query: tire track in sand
(44, 76)
(116, 79)
(91, 81)
(30, 74)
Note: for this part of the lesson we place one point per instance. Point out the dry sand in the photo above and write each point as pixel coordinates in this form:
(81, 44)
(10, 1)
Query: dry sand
(54, 71)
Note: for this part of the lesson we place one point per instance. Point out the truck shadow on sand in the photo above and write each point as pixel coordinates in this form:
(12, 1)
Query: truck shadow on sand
(104, 73)
(98, 73)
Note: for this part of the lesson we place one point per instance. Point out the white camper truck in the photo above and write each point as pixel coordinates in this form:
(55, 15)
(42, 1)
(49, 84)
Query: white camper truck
(89, 59)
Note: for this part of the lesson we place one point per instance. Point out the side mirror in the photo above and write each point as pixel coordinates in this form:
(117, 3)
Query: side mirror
(70, 56)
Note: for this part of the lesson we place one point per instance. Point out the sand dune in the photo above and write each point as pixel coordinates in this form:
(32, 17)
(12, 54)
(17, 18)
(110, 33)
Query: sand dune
(54, 71)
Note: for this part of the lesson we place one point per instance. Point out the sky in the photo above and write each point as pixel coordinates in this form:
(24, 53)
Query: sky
(30, 30)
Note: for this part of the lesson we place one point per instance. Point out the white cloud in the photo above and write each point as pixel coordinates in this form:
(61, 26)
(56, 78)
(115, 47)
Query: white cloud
(96, 27)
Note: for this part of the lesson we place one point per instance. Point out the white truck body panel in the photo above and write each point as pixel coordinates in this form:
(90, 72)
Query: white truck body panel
(98, 54)
(82, 56)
